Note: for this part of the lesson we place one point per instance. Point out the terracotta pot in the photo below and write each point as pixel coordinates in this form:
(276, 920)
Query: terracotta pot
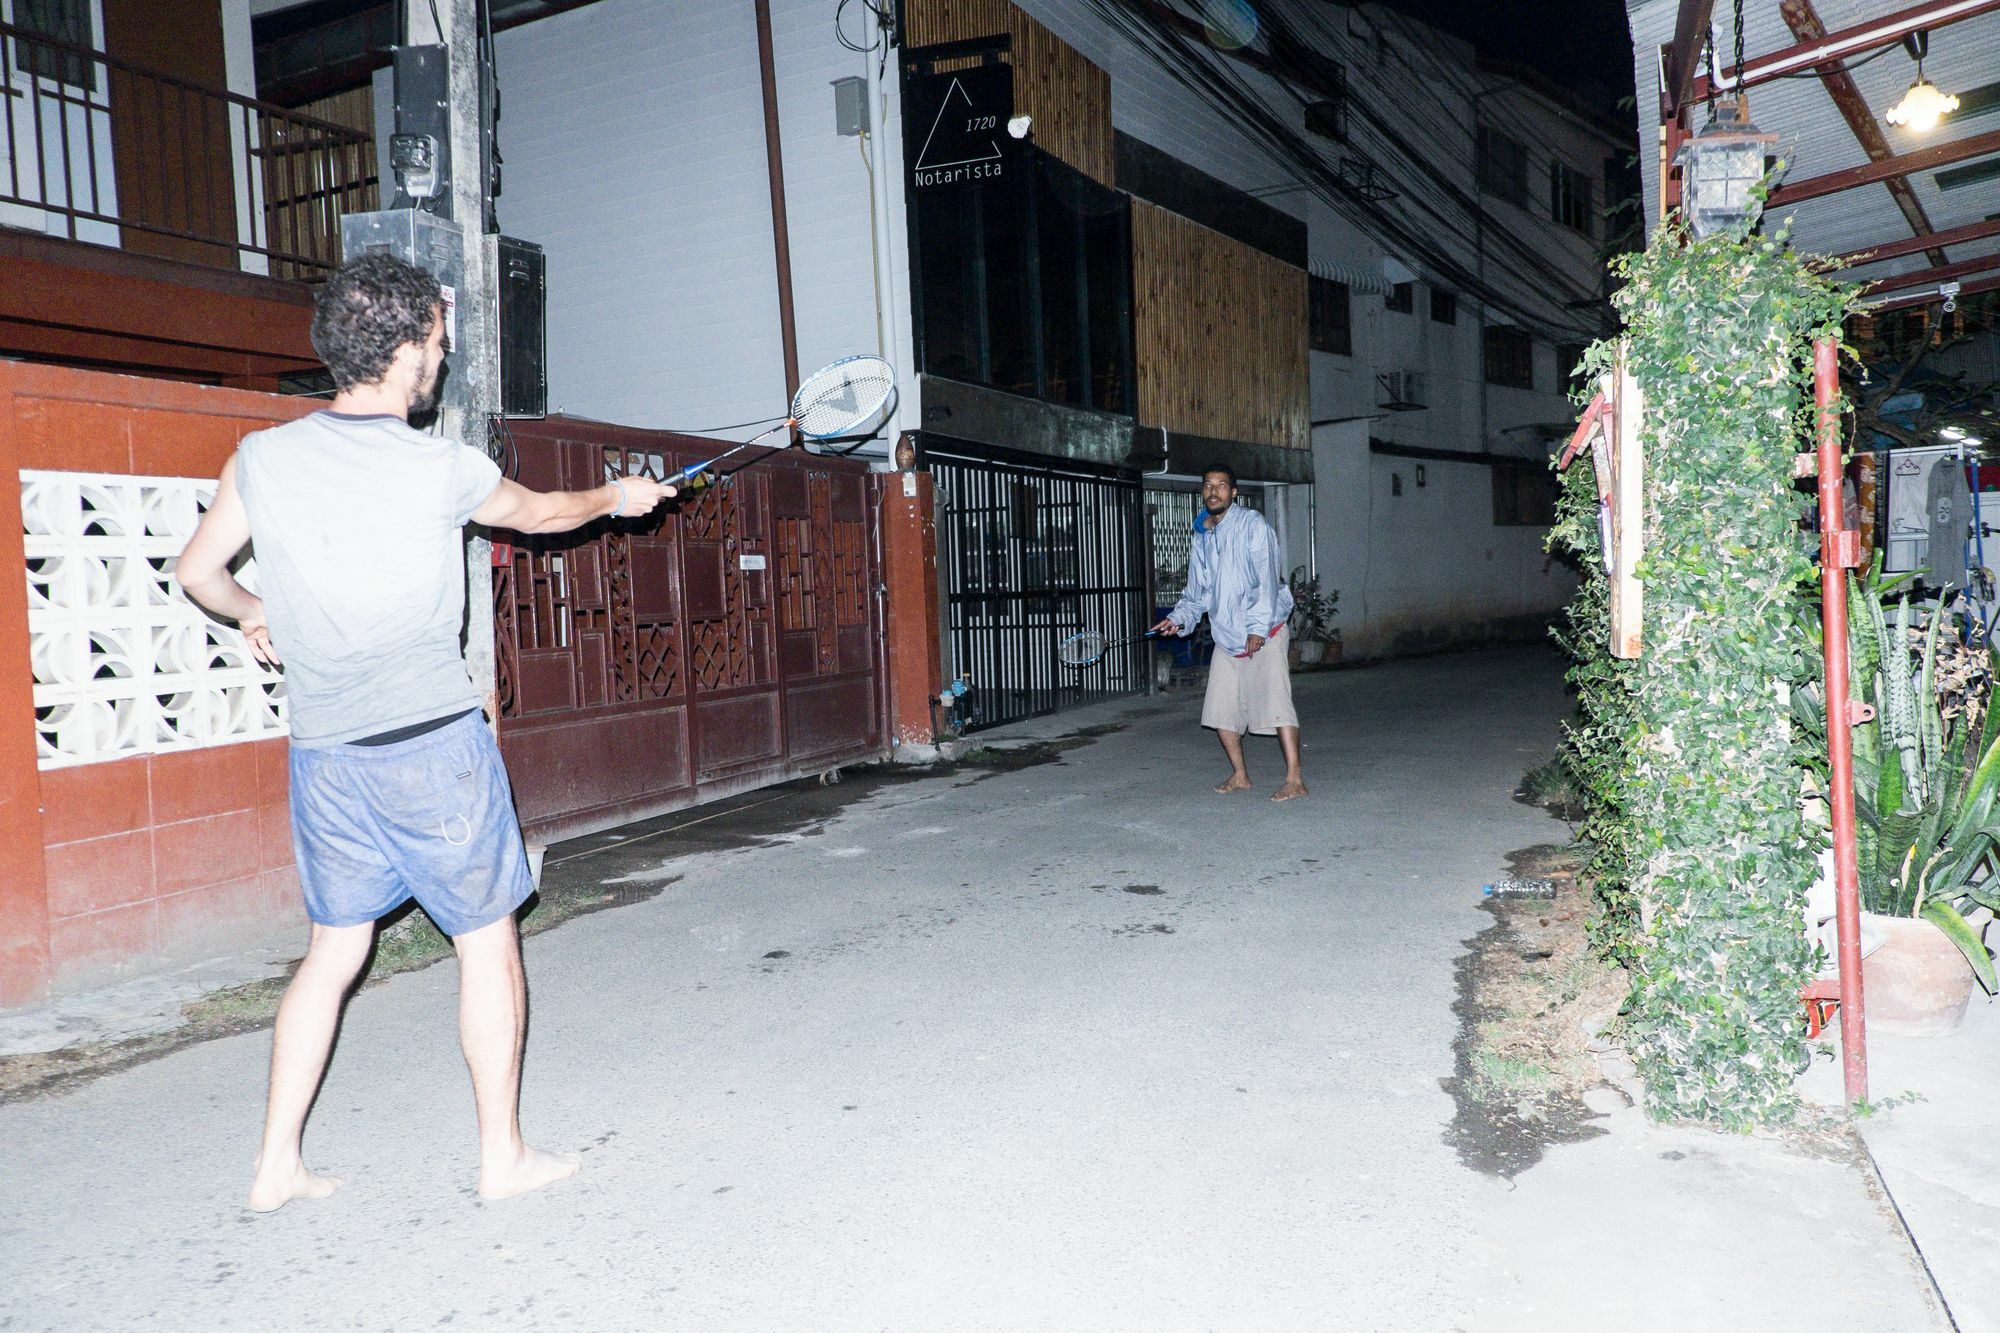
(1918, 983)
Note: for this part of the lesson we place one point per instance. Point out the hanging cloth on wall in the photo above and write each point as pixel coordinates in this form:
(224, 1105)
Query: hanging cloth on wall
(1950, 509)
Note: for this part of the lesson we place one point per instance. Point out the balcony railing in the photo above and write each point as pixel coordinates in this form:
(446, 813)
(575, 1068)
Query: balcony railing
(101, 150)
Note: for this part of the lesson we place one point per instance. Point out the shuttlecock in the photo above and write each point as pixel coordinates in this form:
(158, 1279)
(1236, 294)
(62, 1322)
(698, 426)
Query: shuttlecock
(1018, 126)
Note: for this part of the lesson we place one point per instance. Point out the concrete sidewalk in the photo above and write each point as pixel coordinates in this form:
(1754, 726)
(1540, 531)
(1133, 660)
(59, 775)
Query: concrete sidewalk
(1071, 1045)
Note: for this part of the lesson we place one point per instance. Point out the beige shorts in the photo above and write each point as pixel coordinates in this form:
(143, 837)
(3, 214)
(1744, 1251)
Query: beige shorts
(1250, 694)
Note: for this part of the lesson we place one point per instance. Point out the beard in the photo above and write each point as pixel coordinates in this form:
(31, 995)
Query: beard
(424, 398)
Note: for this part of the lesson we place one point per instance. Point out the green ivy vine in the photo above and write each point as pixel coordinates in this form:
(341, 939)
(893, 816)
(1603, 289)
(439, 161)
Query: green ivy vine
(1688, 754)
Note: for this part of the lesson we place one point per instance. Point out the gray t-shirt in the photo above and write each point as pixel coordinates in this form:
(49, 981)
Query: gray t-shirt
(356, 525)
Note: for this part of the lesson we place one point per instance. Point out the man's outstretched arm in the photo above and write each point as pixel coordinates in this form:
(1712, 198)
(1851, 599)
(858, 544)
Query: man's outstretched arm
(516, 508)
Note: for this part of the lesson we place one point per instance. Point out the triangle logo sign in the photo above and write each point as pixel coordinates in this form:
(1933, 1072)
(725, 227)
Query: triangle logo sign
(963, 143)
(956, 135)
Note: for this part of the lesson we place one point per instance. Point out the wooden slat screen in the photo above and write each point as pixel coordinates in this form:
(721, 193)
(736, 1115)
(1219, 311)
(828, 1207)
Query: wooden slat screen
(1069, 98)
(1219, 333)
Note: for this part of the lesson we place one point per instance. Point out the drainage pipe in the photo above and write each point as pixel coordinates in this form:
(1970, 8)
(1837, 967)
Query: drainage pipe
(1840, 551)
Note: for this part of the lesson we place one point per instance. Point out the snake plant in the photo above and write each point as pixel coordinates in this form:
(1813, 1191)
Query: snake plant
(1927, 834)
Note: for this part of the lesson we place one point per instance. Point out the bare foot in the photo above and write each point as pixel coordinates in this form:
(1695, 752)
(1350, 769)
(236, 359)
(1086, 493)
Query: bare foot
(1234, 782)
(1292, 790)
(275, 1188)
(530, 1171)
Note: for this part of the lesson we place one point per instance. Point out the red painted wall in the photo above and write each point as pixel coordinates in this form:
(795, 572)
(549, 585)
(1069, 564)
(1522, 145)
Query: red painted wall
(102, 864)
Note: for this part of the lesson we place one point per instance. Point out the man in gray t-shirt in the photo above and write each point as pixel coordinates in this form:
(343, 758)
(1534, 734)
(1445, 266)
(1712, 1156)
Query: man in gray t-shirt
(397, 788)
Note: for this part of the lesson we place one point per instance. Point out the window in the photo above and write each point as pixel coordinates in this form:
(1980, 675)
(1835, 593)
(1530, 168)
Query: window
(1524, 495)
(1401, 298)
(1503, 166)
(1328, 119)
(1444, 307)
(1569, 198)
(1569, 358)
(1327, 316)
(1024, 284)
(1510, 357)
(63, 21)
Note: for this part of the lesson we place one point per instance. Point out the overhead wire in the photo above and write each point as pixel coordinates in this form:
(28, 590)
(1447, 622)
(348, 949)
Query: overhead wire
(1306, 157)
(1231, 94)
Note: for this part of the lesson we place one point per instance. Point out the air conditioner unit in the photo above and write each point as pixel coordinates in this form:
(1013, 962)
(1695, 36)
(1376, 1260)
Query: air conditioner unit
(1402, 391)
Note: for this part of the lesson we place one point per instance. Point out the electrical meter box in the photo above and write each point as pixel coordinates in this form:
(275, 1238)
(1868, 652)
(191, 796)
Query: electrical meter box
(431, 243)
(520, 271)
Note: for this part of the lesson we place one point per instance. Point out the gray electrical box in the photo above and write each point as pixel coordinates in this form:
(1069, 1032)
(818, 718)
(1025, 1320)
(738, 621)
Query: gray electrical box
(850, 106)
(432, 244)
(420, 151)
(520, 271)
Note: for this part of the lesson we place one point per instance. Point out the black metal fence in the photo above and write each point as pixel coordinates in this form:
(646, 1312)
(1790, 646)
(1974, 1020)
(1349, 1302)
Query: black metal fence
(1033, 551)
(97, 149)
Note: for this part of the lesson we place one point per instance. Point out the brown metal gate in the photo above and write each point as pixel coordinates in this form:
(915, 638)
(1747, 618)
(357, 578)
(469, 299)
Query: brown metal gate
(730, 641)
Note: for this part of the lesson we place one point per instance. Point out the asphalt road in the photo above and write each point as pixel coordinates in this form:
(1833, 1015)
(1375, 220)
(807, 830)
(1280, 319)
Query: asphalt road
(1078, 1045)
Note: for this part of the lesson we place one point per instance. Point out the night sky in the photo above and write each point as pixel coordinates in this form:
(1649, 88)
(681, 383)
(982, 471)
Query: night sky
(1585, 45)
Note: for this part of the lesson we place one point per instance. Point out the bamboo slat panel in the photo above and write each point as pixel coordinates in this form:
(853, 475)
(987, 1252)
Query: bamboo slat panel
(307, 191)
(1219, 334)
(1069, 98)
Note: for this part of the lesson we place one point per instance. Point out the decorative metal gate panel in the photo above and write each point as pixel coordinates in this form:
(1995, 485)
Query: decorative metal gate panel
(1033, 550)
(728, 642)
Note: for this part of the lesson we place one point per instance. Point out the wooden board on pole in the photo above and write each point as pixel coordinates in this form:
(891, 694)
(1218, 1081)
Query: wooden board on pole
(1626, 493)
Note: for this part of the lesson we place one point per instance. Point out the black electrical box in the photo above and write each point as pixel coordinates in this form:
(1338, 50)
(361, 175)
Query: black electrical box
(521, 271)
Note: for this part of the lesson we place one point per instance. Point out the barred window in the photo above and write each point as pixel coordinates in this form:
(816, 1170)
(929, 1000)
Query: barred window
(1510, 357)
(1569, 198)
(63, 21)
(1503, 166)
(1524, 495)
(1328, 316)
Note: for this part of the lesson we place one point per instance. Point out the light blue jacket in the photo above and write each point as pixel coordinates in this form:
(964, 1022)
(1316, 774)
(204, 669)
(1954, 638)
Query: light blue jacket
(1235, 576)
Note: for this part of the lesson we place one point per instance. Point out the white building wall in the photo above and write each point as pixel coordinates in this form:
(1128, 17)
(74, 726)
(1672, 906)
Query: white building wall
(633, 134)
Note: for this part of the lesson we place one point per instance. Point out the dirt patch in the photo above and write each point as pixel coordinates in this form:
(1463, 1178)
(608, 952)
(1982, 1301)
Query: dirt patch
(1530, 998)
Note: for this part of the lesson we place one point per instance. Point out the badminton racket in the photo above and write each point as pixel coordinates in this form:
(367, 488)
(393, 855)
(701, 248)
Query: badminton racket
(850, 397)
(1088, 647)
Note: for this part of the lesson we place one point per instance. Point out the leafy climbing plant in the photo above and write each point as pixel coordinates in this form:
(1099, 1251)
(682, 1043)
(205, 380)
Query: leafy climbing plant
(1704, 821)
(1597, 742)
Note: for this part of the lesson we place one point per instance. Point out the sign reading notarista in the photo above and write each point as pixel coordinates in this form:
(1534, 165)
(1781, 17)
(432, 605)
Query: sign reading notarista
(955, 125)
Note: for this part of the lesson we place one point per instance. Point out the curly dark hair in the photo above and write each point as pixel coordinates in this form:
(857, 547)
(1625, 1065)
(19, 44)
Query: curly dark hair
(366, 310)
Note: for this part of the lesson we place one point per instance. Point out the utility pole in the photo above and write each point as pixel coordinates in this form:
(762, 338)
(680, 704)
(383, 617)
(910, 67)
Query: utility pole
(468, 408)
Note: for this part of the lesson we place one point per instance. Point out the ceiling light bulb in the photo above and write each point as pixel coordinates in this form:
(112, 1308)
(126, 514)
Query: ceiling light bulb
(1922, 107)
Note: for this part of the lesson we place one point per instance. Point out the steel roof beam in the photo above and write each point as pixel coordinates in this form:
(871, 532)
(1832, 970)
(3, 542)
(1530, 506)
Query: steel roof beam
(1929, 298)
(1874, 254)
(1931, 277)
(1922, 159)
(1678, 61)
(1857, 40)
(1805, 23)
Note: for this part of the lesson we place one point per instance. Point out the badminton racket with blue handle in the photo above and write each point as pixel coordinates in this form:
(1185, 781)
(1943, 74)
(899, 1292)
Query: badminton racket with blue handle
(1088, 647)
(850, 397)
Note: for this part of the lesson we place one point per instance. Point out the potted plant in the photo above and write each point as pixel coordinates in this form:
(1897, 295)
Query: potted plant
(1926, 774)
(1315, 638)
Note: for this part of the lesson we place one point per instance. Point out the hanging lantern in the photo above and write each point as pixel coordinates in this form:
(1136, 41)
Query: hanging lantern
(1923, 106)
(1720, 167)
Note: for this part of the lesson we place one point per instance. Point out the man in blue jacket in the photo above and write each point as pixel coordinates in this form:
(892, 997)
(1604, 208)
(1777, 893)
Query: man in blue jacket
(1236, 578)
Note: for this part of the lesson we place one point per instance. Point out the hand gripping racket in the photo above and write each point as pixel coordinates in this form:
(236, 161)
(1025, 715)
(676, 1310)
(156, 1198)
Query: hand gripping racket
(850, 397)
(1088, 647)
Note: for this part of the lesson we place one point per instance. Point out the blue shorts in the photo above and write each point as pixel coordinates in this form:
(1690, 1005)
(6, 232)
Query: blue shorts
(430, 818)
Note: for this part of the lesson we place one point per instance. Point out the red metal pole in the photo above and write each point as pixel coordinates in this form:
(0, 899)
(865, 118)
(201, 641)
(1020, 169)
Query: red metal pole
(1840, 551)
